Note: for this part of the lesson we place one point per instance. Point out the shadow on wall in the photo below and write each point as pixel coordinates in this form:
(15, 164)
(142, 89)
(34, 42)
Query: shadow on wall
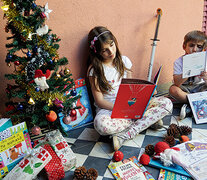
(82, 56)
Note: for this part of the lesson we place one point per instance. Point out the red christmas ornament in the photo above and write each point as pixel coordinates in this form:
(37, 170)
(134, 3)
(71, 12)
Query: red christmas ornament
(42, 15)
(26, 13)
(52, 116)
(144, 159)
(36, 130)
(67, 120)
(118, 156)
(10, 108)
(73, 113)
(16, 63)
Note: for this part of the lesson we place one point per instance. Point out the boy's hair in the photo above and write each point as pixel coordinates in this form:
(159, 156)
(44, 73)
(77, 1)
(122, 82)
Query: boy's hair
(195, 36)
(95, 59)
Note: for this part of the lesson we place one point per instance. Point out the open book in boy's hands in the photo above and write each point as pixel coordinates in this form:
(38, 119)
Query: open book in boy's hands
(194, 64)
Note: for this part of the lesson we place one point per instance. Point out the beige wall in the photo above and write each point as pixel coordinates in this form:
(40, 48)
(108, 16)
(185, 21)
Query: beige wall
(132, 21)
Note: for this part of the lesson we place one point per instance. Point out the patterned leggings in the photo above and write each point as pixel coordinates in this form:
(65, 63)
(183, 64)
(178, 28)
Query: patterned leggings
(158, 108)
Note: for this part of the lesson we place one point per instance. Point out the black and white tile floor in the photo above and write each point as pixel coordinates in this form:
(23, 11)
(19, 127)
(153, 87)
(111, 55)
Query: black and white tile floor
(95, 151)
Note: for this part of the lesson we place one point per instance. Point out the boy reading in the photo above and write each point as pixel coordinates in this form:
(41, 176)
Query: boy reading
(194, 41)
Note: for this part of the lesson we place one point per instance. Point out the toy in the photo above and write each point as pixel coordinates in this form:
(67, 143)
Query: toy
(118, 156)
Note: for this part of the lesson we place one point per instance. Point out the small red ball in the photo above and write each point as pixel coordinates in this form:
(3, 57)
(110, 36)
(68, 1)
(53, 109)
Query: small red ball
(118, 156)
(36, 130)
(144, 159)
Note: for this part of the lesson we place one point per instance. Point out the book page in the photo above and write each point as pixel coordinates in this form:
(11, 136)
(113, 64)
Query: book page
(194, 154)
(194, 64)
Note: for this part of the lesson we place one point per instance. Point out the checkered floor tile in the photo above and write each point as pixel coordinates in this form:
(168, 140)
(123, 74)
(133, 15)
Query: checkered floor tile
(95, 151)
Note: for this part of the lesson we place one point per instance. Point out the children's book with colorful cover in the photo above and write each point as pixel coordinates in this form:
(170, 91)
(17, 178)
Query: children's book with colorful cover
(129, 169)
(198, 103)
(133, 97)
(194, 154)
(168, 175)
(14, 145)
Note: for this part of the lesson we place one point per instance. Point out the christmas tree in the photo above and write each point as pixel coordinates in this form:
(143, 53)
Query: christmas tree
(39, 79)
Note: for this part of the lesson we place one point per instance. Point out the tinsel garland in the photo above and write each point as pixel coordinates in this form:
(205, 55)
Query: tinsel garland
(50, 49)
(11, 14)
(44, 95)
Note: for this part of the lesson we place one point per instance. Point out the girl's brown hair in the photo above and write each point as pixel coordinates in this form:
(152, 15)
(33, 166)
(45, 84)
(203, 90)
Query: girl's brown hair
(95, 59)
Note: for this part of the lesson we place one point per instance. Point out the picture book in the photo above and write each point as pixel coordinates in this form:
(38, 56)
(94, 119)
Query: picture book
(194, 154)
(198, 103)
(133, 97)
(84, 114)
(129, 169)
(14, 145)
(194, 64)
(168, 175)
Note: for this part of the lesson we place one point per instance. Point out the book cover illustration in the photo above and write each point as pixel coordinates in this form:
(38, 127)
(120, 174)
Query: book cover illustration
(132, 98)
(84, 114)
(194, 64)
(198, 103)
(129, 169)
(168, 175)
(15, 144)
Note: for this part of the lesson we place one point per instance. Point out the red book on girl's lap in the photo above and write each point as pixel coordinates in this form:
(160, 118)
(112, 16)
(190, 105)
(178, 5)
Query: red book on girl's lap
(133, 97)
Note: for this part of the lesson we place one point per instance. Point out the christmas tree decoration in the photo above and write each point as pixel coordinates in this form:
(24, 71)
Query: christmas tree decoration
(42, 15)
(67, 120)
(20, 107)
(39, 96)
(16, 63)
(36, 130)
(73, 113)
(66, 71)
(42, 30)
(47, 11)
(37, 89)
(29, 54)
(51, 116)
(73, 92)
(31, 101)
(58, 103)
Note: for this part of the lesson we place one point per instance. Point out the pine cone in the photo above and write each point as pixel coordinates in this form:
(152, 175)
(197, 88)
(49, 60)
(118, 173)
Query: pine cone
(91, 174)
(80, 172)
(170, 140)
(149, 149)
(185, 130)
(173, 130)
